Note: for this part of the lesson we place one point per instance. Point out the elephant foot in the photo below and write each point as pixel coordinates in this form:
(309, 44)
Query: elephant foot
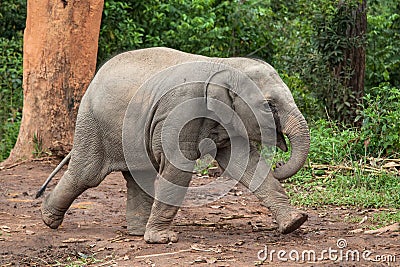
(136, 223)
(160, 237)
(136, 227)
(51, 217)
(290, 221)
(136, 231)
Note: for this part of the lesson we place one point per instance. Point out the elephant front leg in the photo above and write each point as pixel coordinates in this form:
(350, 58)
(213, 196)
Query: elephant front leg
(170, 190)
(256, 177)
(139, 202)
(273, 196)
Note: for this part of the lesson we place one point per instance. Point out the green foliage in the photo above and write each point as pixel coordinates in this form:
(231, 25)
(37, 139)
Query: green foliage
(12, 18)
(203, 164)
(212, 28)
(383, 57)
(119, 31)
(12, 23)
(311, 49)
(380, 131)
(386, 217)
(331, 144)
(10, 92)
(81, 259)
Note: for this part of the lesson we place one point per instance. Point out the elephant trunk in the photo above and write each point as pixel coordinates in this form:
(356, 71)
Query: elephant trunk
(294, 126)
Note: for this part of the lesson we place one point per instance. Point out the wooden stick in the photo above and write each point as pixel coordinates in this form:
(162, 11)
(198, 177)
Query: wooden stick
(162, 254)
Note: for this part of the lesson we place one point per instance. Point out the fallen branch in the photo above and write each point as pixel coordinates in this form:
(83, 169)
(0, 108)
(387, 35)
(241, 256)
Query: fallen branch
(366, 168)
(192, 248)
(108, 263)
(75, 240)
(235, 216)
(6, 166)
(162, 254)
(207, 224)
(391, 228)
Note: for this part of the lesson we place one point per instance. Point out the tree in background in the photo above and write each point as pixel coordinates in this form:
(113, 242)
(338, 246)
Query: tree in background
(322, 50)
(343, 42)
(60, 50)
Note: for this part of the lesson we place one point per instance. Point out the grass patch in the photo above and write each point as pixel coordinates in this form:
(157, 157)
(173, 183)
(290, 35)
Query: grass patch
(386, 217)
(81, 259)
(374, 219)
(375, 190)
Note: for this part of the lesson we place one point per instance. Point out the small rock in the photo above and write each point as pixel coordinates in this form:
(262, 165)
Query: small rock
(29, 232)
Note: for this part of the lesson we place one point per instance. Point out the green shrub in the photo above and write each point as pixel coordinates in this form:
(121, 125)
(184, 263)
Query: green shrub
(119, 30)
(305, 99)
(12, 18)
(10, 92)
(380, 131)
(331, 144)
(383, 51)
(212, 28)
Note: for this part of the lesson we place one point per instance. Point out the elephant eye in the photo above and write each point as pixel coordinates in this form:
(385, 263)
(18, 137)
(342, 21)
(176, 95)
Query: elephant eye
(267, 106)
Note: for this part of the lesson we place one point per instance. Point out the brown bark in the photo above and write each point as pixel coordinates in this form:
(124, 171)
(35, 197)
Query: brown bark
(60, 50)
(351, 71)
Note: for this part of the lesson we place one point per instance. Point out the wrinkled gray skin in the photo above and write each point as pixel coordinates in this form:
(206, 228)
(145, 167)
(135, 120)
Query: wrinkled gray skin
(97, 148)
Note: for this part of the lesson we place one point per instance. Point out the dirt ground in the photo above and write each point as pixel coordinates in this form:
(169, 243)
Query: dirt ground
(233, 231)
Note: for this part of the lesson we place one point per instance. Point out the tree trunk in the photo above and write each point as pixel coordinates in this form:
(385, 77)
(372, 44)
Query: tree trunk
(351, 70)
(60, 50)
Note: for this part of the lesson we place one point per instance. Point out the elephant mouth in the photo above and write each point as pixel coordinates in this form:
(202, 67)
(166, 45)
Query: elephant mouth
(281, 142)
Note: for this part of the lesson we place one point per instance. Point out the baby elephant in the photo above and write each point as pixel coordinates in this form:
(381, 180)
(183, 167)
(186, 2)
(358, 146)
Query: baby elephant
(151, 113)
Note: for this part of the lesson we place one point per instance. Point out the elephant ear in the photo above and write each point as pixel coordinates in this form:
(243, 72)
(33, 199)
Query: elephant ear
(217, 89)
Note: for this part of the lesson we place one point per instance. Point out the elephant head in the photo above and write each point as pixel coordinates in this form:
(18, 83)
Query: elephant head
(268, 109)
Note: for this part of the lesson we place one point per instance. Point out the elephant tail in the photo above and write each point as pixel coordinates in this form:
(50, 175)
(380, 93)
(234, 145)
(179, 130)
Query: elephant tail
(54, 172)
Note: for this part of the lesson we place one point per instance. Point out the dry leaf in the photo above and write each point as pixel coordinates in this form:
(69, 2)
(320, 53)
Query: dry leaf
(5, 228)
(391, 164)
(29, 232)
(200, 260)
(239, 243)
(212, 260)
(82, 205)
(364, 219)
(356, 231)
(235, 216)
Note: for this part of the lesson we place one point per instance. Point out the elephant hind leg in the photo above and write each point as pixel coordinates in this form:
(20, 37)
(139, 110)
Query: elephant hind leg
(87, 168)
(66, 191)
(138, 204)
